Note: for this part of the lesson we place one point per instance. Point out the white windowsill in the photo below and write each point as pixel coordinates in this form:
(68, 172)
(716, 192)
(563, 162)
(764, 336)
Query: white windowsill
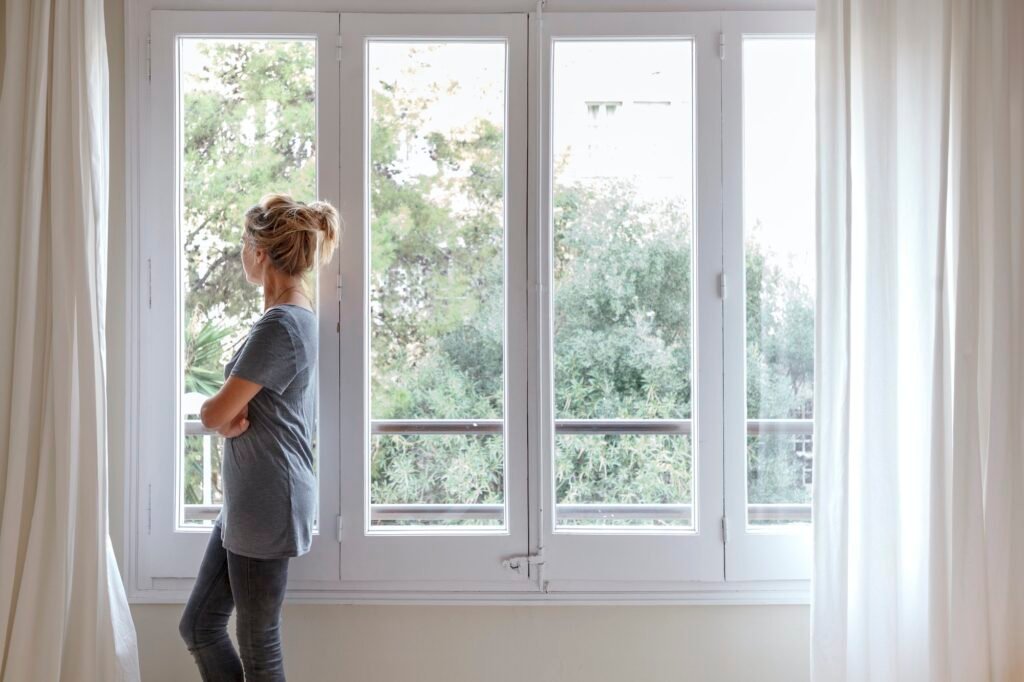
(176, 591)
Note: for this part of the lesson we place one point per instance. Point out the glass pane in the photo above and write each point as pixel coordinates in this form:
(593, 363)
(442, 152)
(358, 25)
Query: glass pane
(778, 223)
(628, 481)
(437, 480)
(246, 126)
(622, 212)
(436, 180)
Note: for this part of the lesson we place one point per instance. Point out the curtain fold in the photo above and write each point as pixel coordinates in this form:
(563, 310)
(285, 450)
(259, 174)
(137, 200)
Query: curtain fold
(63, 610)
(919, 482)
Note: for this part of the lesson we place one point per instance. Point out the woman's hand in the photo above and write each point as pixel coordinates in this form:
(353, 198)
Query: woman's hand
(236, 426)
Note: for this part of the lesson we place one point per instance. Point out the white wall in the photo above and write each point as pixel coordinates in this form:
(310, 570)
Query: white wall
(513, 643)
(454, 643)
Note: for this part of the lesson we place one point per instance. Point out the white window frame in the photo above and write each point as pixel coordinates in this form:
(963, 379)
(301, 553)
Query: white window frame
(722, 562)
(168, 557)
(781, 553)
(591, 560)
(438, 560)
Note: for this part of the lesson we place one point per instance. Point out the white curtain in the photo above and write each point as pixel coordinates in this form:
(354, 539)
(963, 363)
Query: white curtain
(919, 480)
(63, 611)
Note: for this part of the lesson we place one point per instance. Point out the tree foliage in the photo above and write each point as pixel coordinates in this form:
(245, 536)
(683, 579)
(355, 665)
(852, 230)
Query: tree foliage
(623, 298)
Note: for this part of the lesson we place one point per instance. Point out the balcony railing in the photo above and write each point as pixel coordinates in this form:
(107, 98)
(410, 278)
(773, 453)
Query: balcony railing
(796, 427)
(676, 513)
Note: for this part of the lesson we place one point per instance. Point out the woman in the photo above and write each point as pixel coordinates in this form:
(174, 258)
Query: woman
(265, 412)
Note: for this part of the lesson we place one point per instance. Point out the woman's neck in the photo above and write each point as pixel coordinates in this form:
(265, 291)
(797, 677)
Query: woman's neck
(278, 290)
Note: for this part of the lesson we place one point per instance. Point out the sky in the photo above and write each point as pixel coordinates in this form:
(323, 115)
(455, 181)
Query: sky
(778, 147)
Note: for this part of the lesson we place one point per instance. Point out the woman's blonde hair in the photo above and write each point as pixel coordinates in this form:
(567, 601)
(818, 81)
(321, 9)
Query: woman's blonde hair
(297, 237)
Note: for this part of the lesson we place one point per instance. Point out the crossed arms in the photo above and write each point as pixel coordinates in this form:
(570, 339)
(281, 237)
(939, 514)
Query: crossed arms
(227, 411)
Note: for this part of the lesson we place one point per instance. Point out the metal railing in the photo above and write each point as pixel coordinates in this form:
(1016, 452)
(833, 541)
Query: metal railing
(676, 513)
(796, 427)
(194, 427)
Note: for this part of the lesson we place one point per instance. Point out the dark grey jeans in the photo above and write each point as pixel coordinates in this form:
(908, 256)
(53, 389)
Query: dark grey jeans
(256, 588)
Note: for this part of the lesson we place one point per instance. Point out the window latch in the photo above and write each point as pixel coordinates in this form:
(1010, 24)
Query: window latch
(516, 563)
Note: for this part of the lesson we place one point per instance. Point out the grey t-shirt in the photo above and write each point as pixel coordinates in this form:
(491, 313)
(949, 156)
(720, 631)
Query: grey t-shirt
(270, 490)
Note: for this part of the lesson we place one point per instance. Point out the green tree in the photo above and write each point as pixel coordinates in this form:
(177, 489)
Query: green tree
(249, 124)
(249, 128)
(622, 341)
(623, 294)
(780, 373)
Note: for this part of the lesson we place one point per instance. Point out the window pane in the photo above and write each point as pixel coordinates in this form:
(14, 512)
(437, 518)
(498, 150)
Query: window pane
(246, 126)
(622, 204)
(436, 179)
(437, 480)
(778, 223)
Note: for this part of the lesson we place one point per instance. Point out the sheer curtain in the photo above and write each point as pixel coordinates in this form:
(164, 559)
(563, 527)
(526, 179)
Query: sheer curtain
(919, 482)
(63, 611)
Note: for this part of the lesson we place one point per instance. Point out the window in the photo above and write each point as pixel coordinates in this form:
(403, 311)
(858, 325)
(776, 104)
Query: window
(602, 111)
(623, 290)
(566, 345)
(434, 165)
(239, 106)
(769, 253)
(778, 227)
(632, 461)
(437, 284)
(247, 120)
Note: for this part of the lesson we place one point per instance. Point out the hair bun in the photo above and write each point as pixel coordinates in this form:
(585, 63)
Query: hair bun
(330, 225)
(322, 207)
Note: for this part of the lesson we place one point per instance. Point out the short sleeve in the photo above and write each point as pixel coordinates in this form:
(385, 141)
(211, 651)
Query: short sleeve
(268, 356)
